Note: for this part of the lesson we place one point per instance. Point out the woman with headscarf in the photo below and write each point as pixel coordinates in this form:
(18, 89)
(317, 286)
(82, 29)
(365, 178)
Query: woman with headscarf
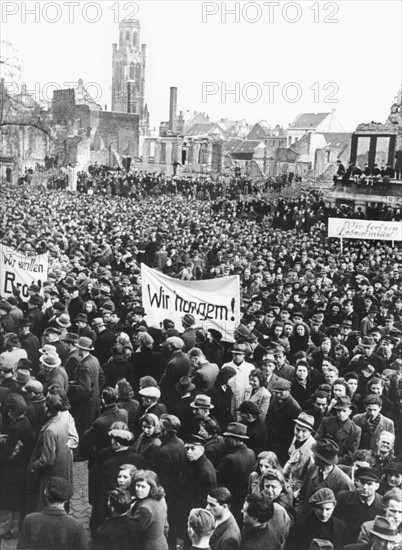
(148, 442)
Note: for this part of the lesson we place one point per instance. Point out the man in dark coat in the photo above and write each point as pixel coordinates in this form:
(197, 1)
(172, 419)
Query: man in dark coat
(183, 409)
(178, 365)
(169, 462)
(97, 436)
(256, 430)
(72, 360)
(341, 429)
(104, 341)
(319, 523)
(257, 511)
(118, 532)
(36, 316)
(363, 504)
(236, 466)
(30, 343)
(52, 527)
(188, 336)
(199, 477)
(76, 303)
(85, 390)
(283, 409)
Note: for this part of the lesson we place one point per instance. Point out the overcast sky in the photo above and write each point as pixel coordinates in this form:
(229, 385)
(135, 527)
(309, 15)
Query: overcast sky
(347, 51)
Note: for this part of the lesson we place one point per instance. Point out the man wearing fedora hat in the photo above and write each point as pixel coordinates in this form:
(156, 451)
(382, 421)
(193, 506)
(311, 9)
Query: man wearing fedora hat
(324, 473)
(20, 378)
(137, 319)
(236, 466)
(82, 327)
(76, 303)
(301, 456)
(392, 501)
(36, 315)
(70, 341)
(383, 536)
(84, 391)
(52, 372)
(362, 504)
(341, 428)
(52, 336)
(319, 523)
(183, 409)
(240, 382)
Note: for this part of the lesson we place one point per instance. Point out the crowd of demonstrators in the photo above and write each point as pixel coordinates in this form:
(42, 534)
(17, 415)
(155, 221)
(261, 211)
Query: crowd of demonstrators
(288, 438)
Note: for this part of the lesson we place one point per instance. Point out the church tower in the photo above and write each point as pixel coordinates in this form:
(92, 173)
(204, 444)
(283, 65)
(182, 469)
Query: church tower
(128, 81)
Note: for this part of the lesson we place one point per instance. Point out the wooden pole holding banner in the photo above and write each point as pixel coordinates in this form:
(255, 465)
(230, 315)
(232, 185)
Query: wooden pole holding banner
(341, 245)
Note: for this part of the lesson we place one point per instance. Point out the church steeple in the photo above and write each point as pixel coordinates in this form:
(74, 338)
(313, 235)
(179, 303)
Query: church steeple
(128, 83)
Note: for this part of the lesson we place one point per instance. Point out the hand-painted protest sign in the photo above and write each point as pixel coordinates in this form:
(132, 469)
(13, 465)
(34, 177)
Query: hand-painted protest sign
(19, 270)
(364, 229)
(215, 303)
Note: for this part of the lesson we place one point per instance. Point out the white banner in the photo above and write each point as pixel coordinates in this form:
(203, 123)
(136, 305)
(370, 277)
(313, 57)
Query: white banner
(364, 229)
(19, 270)
(215, 303)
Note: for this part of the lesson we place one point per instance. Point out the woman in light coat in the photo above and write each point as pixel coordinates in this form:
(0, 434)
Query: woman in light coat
(301, 457)
(51, 456)
(257, 392)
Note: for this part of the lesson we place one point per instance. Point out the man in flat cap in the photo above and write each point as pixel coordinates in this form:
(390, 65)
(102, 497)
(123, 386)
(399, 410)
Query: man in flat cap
(319, 523)
(188, 335)
(341, 428)
(283, 409)
(362, 504)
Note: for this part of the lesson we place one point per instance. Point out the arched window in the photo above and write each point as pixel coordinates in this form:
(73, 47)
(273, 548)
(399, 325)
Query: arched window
(128, 36)
(132, 71)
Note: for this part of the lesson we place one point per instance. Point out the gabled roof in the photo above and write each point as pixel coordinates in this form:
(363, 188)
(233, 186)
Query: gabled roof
(248, 146)
(308, 120)
(199, 129)
(195, 118)
(232, 145)
(258, 131)
(337, 140)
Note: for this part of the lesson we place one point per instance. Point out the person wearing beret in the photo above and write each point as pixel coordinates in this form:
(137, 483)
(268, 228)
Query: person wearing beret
(76, 303)
(362, 504)
(198, 478)
(319, 523)
(340, 428)
(188, 335)
(283, 409)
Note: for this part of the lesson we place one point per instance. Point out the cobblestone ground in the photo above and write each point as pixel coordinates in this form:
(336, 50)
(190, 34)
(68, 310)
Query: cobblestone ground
(79, 507)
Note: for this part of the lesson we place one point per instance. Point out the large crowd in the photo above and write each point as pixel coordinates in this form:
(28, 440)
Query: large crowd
(287, 438)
